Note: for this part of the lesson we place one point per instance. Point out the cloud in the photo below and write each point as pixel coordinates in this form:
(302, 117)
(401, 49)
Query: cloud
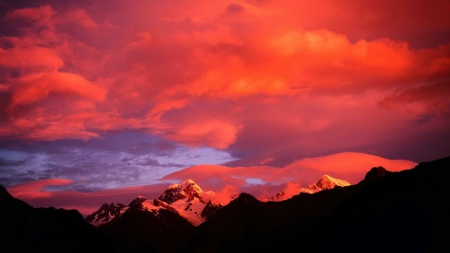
(36, 189)
(348, 166)
(256, 79)
(33, 57)
(80, 16)
(351, 166)
(138, 79)
(225, 181)
(35, 194)
(118, 159)
(41, 14)
(431, 99)
(224, 196)
(214, 134)
(28, 89)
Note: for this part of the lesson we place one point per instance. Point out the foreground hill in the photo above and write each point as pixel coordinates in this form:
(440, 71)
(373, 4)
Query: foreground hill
(28, 229)
(389, 212)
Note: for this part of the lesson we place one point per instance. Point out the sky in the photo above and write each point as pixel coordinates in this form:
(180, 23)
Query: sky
(104, 100)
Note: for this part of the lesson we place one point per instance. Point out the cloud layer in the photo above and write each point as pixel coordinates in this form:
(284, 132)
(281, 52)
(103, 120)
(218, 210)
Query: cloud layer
(261, 181)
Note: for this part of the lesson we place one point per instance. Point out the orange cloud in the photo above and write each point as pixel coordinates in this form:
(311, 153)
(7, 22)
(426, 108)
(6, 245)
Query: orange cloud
(36, 189)
(28, 89)
(87, 70)
(80, 16)
(348, 166)
(223, 196)
(30, 58)
(352, 166)
(41, 14)
(214, 134)
(267, 160)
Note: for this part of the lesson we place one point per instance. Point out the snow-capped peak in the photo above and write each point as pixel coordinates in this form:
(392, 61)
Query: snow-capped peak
(106, 213)
(184, 199)
(326, 182)
(187, 189)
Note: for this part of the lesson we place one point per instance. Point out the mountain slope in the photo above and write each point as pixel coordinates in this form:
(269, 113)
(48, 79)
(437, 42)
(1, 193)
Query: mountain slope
(389, 212)
(186, 199)
(325, 183)
(28, 229)
(140, 230)
(406, 211)
(409, 210)
(106, 213)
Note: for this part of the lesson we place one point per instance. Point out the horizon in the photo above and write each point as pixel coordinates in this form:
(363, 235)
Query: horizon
(102, 100)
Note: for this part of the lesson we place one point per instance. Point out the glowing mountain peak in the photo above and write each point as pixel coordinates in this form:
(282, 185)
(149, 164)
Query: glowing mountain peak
(327, 182)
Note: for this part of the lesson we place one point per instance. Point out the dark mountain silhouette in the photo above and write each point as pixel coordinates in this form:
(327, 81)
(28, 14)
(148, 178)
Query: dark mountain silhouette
(406, 211)
(389, 212)
(27, 229)
(106, 213)
(138, 230)
(210, 210)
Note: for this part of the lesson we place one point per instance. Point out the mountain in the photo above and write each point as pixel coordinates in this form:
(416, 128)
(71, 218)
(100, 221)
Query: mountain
(210, 210)
(28, 229)
(325, 183)
(385, 212)
(187, 190)
(186, 199)
(376, 174)
(407, 211)
(106, 213)
(140, 230)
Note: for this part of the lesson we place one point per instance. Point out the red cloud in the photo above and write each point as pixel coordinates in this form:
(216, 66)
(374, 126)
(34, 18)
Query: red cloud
(42, 14)
(214, 134)
(226, 75)
(36, 189)
(30, 88)
(351, 167)
(32, 57)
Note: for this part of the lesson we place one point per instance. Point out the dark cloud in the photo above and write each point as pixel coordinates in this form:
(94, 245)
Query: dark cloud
(127, 159)
(151, 162)
(7, 162)
(235, 8)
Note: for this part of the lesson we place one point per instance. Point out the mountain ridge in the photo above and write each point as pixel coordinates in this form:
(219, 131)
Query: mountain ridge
(186, 199)
(386, 211)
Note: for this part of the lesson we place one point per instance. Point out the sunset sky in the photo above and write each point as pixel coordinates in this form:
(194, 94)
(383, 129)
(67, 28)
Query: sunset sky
(103, 100)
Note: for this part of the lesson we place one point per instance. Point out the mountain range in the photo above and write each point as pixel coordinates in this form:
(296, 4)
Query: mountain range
(386, 211)
(188, 200)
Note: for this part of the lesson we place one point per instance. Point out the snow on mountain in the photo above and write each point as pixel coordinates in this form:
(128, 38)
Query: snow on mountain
(143, 204)
(279, 196)
(210, 209)
(186, 190)
(191, 210)
(187, 199)
(106, 213)
(325, 183)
